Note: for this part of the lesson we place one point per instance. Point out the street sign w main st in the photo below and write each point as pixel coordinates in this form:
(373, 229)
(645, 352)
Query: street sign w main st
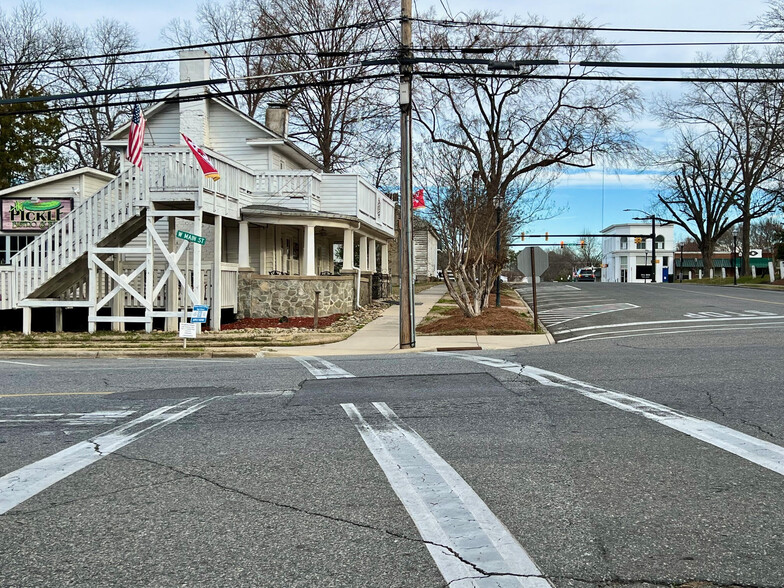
(541, 261)
(191, 237)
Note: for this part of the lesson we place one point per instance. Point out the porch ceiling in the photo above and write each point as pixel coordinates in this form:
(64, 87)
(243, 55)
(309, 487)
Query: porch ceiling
(279, 215)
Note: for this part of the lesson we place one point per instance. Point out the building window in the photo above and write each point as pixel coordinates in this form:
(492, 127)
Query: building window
(641, 244)
(624, 242)
(666, 261)
(660, 242)
(10, 245)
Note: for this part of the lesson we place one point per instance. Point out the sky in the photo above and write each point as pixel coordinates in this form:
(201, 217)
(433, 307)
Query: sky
(591, 200)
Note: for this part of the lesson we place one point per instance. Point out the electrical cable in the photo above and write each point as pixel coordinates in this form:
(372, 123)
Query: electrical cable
(458, 23)
(195, 45)
(221, 94)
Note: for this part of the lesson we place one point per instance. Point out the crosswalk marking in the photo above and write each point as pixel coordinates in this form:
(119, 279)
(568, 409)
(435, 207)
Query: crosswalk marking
(456, 524)
(556, 316)
(26, 482)
(763, 453)
(74, 419)
(327, 370)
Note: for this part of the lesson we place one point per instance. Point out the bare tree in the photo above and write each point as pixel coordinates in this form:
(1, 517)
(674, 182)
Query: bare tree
(701, 189)
(243, 61)
(27, 43)
(749, 118)
(506, 129)
(467, 221)
(87, 127)
(334, 119)
(590, 252)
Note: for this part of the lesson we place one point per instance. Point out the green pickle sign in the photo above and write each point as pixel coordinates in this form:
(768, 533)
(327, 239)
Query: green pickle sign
(33, 216)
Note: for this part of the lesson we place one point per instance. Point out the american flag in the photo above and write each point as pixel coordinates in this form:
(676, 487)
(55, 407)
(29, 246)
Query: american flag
(136, 137)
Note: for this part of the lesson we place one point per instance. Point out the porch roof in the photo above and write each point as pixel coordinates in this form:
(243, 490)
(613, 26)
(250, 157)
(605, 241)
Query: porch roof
(283, 212)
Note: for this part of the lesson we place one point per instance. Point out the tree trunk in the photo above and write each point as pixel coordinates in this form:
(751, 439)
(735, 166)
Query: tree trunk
(707, 256)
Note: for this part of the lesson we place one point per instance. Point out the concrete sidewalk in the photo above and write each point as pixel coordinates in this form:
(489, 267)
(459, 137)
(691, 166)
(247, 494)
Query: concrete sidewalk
(382, 336)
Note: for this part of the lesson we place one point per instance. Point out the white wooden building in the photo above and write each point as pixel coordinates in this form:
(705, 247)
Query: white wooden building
(271, 224)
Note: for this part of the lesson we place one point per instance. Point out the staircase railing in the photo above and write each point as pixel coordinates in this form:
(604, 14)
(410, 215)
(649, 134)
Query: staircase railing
(68, 239)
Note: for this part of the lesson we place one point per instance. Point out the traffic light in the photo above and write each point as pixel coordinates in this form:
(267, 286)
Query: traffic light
(547, 236)
(522, 236)
(562, 244)
(638, 239)
(582, 244)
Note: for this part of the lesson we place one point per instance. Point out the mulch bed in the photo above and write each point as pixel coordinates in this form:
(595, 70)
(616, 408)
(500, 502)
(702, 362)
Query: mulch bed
(492, 321)
(300, 322)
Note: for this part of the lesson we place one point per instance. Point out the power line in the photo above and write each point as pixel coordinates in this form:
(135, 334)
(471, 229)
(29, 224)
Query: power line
(458, 23)
(216, 57)
(590, 77)
(367, 24)
(177, 99)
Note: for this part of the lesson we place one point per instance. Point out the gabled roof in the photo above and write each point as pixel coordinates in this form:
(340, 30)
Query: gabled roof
(90, 171)
(122, 132)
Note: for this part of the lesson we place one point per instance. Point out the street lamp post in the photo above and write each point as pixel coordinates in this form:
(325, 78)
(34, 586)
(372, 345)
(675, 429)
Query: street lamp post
(734, 255)
(681, 263)
(498, 251)
(652, 218)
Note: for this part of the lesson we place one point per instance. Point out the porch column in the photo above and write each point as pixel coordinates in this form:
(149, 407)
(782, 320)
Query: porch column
(309, 247)
(385, 258)
(118, 302)
(348, 250)
(372, 256)
(217, 255)
(363, 253)
(244, 247)
(27, 321)
(58, 319)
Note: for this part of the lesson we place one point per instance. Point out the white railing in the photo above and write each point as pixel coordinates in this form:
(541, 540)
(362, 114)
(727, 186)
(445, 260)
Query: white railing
(6, 287)
(299, 190)
(69, 238)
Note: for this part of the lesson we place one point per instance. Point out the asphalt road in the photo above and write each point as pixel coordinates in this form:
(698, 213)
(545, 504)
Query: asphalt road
(627, 461)
(592, 310)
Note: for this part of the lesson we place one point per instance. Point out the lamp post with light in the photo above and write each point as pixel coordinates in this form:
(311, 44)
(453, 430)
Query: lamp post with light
(652, 218)
(734, 256)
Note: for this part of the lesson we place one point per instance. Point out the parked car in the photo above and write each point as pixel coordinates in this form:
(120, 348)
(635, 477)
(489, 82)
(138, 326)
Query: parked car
(586, 274)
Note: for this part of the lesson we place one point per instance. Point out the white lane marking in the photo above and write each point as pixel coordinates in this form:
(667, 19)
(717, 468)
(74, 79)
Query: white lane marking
(672, 331)
(676, 321)
(101, 417)
(573, 288)
(26, 482)
(445, 509)
(763, 453)
(329, 370)
(23, 363)
(570, 313)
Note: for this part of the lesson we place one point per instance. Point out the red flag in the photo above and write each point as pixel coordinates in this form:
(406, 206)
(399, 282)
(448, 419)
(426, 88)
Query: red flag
(136, 137)
(204, 162)
(419, 199)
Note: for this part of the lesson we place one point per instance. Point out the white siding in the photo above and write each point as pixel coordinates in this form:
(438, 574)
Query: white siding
(339, 194)
(163, 128)
(228, 135)
(92, 185)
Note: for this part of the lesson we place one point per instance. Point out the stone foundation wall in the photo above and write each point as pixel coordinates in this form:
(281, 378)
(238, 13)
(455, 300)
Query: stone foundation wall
(275, 296)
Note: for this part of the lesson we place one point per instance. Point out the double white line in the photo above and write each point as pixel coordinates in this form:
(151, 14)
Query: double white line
(26, 482)
(763, 453)
(455, 523)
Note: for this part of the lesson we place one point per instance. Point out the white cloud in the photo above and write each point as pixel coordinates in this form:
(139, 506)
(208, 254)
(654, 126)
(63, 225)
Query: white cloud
(611, 179)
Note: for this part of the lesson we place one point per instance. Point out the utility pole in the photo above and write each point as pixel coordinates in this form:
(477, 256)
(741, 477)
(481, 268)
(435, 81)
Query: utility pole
(407, 332)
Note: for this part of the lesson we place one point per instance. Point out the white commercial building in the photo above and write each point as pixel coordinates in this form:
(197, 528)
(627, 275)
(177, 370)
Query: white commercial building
(626, 253)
